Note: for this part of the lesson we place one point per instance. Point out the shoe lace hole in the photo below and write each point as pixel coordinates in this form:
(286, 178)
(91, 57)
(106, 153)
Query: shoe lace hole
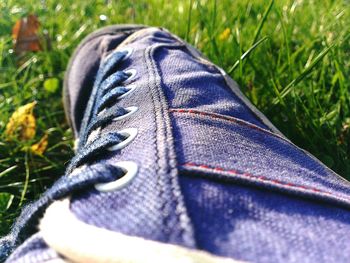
(130, 110)
(131, 89)
(130, 134)
(132, 73)
(130, 168)
(128, 51)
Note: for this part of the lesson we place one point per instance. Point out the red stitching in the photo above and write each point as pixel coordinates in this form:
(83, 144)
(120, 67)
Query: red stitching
(263, 178)
(222, 117)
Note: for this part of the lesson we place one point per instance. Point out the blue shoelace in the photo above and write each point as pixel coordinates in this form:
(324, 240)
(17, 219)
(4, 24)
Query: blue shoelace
(99, 113)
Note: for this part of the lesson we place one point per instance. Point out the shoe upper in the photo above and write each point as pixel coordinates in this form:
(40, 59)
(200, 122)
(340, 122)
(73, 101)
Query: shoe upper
(204, 168)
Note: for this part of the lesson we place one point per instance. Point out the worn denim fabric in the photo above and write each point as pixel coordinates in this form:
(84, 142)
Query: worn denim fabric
(34, 250)
(213, 173)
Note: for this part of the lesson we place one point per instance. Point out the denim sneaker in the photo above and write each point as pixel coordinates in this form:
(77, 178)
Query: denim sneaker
(174, 164)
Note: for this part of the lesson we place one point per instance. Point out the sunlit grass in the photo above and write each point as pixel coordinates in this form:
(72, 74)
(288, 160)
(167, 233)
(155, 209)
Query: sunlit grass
(291, 58)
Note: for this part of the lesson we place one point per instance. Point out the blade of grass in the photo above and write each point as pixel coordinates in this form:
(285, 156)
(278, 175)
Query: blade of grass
(274, 85)
(26, 182)
(8, 170)
(262, 22)
(212, 33)
(302, 75)
(189, 21)
(246, 54)
(286, 42)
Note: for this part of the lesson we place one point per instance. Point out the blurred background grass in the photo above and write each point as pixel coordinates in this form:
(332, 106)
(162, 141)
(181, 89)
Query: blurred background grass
(291, 58)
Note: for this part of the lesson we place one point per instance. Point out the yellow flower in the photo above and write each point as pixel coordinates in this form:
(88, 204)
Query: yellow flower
(40, 147)
(225, 34)
(22, 123)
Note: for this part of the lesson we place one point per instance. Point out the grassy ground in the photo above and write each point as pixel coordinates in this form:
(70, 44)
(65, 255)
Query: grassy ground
(291, 59)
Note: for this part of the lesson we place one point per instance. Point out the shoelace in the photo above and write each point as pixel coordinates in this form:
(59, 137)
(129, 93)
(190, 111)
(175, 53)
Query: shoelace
(106, 90)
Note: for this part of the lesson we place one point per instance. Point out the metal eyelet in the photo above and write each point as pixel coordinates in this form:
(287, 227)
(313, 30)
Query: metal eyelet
(129, 51)
(130, 110)
(130, 133)
(130, 169)
(132, 73)
(131, 89)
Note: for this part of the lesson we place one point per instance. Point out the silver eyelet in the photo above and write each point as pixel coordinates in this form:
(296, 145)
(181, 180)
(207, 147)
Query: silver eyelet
(129, 51)
(132, 73)
(130, 133)
(130, 169)
(130, 110)
(131, 89)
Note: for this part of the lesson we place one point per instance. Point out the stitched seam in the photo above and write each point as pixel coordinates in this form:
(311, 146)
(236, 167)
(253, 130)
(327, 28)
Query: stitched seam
(264, 179)
(160, 184)
(257, 128)
(226, 118)
(196, 54)
(147, 60)
(200, 58)
(170, 165)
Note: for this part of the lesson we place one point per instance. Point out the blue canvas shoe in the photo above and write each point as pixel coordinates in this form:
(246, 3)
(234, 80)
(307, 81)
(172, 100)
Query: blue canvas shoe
(174, 164)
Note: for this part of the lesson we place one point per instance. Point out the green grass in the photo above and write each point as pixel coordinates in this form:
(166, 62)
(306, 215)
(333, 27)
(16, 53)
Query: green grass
(291, 58)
